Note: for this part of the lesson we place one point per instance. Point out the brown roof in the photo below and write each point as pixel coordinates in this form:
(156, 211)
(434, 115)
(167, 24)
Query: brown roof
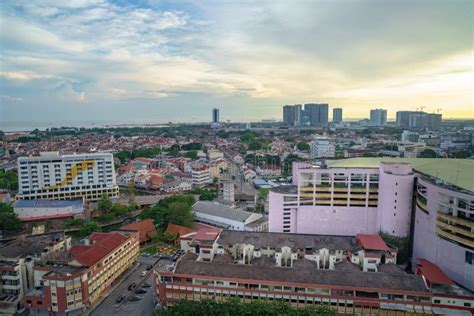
(354, 279)
(104, 244)
(146, 229)
(372, 242)
(179, 230)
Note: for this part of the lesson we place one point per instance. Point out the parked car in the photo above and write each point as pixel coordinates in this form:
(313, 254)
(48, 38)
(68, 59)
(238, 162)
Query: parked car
(140, 291)
(143, 273)
(146, 284)
(132, 286)
(145, 254)
(135, 298)
(149, 267)
(120, 299)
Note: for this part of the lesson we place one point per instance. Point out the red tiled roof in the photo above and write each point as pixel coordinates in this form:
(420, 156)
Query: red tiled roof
(372, 242)
(146, 229)
(178, 229)
(432, 272)
(156, 179)
(201, 226)
(104, 244)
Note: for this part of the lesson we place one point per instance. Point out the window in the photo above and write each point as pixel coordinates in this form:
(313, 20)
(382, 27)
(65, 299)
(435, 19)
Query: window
(437, 301)
(469, 257)
(467, 304)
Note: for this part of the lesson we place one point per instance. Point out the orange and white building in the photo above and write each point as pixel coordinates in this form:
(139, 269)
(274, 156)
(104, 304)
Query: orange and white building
(76, 282)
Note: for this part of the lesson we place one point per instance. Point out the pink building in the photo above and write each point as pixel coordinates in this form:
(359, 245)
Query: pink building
(368, 195)
(444, 229)
(344, 201)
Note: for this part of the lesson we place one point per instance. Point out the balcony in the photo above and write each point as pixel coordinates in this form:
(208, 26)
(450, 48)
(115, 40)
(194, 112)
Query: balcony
(11, 286)
(457, 220)
(455, 229)
(358, 189)
(452, 237)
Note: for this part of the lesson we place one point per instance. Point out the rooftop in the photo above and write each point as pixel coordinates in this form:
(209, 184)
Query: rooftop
(458, 172)
(48, 203)
(432, 272)
(30, 245)
(221, 211)
(356, 279)
(372, 242)
(104, 244)
(146, 229)
(294, 241)
(285, 189)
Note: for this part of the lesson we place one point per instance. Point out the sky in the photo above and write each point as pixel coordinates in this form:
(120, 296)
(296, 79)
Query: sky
(158, 61)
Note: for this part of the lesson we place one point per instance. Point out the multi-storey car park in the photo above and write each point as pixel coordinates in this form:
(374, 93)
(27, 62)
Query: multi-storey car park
(429, 201)
(353, 275)
(51, 176)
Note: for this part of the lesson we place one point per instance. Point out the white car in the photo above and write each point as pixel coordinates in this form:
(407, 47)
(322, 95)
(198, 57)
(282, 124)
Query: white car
(143, 273)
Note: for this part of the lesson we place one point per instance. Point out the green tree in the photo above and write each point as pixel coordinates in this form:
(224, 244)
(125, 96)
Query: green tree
(181, 213)
(255, 145)
(401, 243)
(303, 146)
(236, 308)
(104, 204)
(106, 217)
(192, 146)
(191, 154)
(8, 180)
(9, 221)
(88, 228)
(428, 153)
(75, 222)
(161, 212)
(169, 236)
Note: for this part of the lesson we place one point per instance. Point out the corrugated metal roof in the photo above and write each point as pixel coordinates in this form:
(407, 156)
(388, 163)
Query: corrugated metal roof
(221, 211)
(47, 203)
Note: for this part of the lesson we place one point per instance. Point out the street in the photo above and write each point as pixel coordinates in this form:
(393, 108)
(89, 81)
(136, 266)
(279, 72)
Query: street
(241, 185)
(142, 307)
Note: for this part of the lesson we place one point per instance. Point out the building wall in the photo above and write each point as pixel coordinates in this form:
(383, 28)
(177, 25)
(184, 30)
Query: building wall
(450, 256)
(329, 220)
(282, 217)
(31, 213)
(52, 176)
(235, 225)
(395, 198)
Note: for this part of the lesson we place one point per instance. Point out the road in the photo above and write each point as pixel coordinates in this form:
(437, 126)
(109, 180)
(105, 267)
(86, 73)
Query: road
(241, 185)
(145, 305)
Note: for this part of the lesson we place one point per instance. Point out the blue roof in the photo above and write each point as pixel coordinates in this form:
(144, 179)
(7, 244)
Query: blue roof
(258, 181)
(47, 203)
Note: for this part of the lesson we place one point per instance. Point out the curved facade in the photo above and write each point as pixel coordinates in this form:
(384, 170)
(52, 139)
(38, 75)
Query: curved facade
(395, 198)
(444, 229)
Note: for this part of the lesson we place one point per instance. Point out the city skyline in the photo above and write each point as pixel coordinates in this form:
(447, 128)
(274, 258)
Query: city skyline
(149, 61)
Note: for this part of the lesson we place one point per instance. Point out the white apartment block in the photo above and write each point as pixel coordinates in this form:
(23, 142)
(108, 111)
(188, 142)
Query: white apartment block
(322, 148)
(200, 176)
(61, 177)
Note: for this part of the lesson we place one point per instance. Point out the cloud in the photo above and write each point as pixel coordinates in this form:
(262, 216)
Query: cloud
(352, 54)
(10, 99)
(118, 92)
(23, 76)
